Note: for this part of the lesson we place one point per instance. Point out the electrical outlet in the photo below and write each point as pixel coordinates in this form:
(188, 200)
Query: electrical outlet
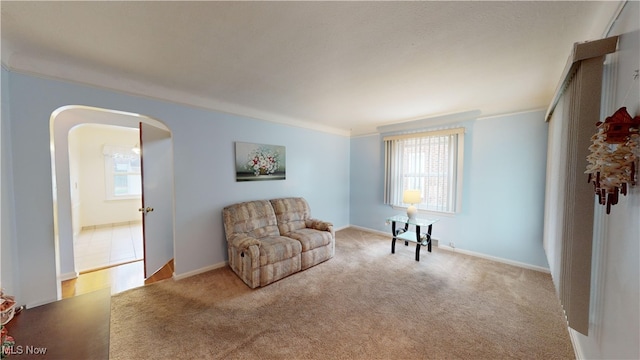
(452, 244)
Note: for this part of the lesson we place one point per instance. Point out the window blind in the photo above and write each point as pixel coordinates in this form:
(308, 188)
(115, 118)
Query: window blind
(569, 199)
(427, 161)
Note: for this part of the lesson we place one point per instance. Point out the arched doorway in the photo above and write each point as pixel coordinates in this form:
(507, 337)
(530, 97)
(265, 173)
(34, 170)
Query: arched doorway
(62, 121)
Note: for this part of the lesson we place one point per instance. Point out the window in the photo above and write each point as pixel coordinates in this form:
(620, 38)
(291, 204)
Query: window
(122, 173)
(430, 162)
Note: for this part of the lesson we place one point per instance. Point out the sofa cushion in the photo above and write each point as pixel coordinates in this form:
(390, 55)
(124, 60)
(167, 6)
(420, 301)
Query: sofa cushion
(310, 238)
(254, 218)
(278, 248)
(291, 213)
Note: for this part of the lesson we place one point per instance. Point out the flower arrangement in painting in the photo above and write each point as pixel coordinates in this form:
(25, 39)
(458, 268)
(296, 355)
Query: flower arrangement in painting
(263, 161)
(614, 156)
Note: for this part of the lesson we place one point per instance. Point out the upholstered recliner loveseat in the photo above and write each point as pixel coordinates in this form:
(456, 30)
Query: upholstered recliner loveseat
(268, 240)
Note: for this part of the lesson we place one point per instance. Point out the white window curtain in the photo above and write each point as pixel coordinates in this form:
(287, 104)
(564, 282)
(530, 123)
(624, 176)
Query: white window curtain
(429, 162)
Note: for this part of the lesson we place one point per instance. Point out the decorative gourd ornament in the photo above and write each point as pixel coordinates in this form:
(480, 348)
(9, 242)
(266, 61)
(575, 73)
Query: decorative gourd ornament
(614, 156)
(619, 126)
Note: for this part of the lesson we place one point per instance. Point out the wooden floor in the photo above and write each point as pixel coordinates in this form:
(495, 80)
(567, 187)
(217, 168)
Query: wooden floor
(118, 278)
(165, 272)
(73, 328)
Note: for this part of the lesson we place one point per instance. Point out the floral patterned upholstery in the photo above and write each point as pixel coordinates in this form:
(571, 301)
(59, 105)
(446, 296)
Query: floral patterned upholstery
(316, 236)
(254, 219)
(269, 240)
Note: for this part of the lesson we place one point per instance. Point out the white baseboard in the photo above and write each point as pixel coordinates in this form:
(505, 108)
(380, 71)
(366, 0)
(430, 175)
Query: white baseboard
(434, 241)
(468, 252)
(576, 344)
(199, 271)
(496, 259)
(69, 276)
(33, 304)
(102, 226)
(369, 230)
(388, 234)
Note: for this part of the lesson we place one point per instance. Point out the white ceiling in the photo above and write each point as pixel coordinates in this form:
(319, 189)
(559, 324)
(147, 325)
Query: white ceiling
(344, 67)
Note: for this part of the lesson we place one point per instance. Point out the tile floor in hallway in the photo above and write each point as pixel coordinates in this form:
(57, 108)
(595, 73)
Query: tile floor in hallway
(103, 246)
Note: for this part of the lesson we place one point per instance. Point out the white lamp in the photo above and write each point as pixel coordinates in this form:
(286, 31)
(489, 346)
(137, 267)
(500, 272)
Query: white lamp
(411, 197)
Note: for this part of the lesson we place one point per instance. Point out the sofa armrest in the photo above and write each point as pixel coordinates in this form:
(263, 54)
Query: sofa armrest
(319, 225)
(243, 242)
(244, 258)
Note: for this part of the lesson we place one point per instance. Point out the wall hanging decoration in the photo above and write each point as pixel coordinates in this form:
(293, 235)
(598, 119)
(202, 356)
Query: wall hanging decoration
(260, 162)
(613, 161)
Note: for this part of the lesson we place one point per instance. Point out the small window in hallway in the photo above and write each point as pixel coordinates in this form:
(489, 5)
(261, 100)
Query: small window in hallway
(122, 172)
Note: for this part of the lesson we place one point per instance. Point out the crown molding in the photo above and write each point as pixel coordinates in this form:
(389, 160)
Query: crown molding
(430, 121)
(90, 77)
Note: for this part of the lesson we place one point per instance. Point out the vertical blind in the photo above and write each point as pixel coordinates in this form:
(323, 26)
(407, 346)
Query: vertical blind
(427, 162)
(569, 198)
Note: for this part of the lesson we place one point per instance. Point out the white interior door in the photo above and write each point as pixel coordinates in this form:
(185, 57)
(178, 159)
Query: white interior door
(156, 156)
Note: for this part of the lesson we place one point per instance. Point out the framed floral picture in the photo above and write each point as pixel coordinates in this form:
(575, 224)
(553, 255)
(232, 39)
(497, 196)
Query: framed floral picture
(257, 162)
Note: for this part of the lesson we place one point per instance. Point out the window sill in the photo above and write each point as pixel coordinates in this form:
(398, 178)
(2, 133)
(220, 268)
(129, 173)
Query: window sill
(426, 212)
(121, 198)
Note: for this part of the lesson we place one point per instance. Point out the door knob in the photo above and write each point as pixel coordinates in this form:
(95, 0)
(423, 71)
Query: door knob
(148, 209)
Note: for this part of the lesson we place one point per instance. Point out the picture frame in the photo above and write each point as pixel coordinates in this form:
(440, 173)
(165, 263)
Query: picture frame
(259, 162)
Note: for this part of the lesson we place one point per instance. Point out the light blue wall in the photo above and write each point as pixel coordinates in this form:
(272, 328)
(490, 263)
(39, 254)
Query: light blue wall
(503, 189)
(8, 251)
(317, 169)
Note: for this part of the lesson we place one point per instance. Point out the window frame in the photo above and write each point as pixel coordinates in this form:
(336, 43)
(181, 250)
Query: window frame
(110, 152)
(393, 187)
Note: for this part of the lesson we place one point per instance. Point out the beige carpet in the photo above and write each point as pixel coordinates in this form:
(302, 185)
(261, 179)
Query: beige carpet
(365, 303)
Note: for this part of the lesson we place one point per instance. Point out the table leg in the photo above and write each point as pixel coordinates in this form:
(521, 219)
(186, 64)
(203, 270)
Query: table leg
(429, 238)
(418, 245)
(393, 239)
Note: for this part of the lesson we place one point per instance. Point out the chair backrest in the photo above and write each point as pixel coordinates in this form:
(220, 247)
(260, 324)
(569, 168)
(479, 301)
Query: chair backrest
(252, 218)
(291, 213)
